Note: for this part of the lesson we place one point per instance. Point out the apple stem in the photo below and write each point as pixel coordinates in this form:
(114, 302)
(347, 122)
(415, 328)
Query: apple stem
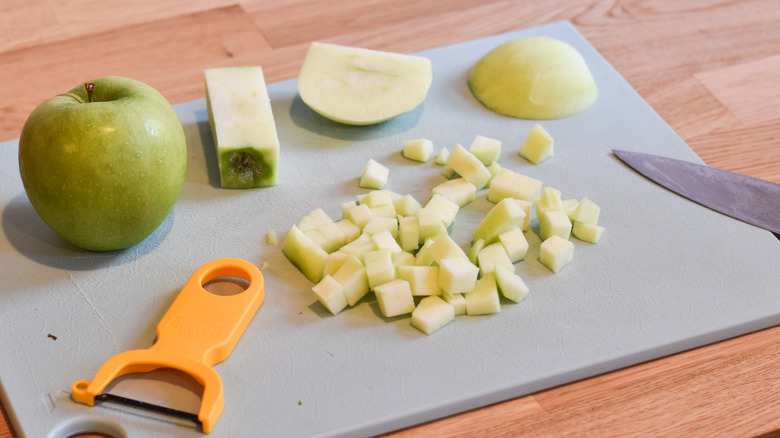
(90, 86)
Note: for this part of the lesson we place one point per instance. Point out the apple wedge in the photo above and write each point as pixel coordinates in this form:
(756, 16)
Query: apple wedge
(243, 127)
(357, 86)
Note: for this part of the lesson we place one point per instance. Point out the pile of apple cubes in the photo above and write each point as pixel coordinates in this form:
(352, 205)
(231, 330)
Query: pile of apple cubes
(392, 245)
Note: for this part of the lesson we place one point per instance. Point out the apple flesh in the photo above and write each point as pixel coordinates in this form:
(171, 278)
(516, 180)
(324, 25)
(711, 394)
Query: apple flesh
(537, 146)
(533, 78)
(103, 168)
(374, 175)
(418, 150)
(243, 127)
(431, 314)
(357, 86)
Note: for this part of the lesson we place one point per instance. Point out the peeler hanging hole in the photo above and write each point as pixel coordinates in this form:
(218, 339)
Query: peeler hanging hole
(226, 286)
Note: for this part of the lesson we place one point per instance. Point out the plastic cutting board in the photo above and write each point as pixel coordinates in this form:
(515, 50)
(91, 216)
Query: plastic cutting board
(667, 276)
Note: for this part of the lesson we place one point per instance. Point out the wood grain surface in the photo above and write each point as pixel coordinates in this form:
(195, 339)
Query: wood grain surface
(708, 67)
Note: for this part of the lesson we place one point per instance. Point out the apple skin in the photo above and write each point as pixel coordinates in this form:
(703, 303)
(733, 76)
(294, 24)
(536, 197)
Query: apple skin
(104, 174)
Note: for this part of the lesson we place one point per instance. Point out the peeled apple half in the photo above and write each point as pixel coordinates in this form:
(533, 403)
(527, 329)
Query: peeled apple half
(536, 78)
(357, 86)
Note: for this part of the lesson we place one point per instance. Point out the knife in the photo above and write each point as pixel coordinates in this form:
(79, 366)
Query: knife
(742, 197)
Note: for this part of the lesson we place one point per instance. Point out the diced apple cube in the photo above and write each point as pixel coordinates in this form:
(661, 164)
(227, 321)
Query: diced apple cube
(587, 212)
(358, 247)
(423, 256)
(242, 125)
(314, 219)
(441, 157)
(570, 206)
(329, 236)
(331, 294)
(550, 199)
(376, 198)
(423, 280)
(491, 256)
(587, 232)
(394, 298)
(385, 240)
(379, 267)
(510, 284)
(484, 299)
(444, 247)
(430, 224)
(554, 223)
(488, 150)
(374, 175)
(353, 278)
(418, 150)
(457, 275)
(404, 258)
(458, 302)
(408, 233)
(468, 166)
(556, 252)
(474, 251)
(504, 216)
(538, 145)
(317, 236)
(270, 238)
(351, 231)
(346, 205)
(387, 210)
(377, 224)
(510, 184)
(494, 169)
(526, 206)
(306, 255)
(515, 244)
(358, 214)
(443, 207)
(406, 206)
(334, 261)
(431, 314)
(457, 190)
(448, 172)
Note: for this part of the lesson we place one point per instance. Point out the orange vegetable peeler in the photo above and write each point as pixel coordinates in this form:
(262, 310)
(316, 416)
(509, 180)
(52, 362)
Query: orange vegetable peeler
(198, 331)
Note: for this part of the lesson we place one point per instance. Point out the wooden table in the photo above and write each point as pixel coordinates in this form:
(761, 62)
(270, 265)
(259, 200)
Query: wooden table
(708, 67)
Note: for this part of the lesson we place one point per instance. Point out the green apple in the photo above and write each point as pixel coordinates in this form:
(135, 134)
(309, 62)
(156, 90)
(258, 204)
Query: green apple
(533, 78)
(357, 86)
(104, 163)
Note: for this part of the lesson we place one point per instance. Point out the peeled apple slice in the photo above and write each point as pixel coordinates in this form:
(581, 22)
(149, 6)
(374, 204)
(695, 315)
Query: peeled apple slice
(533, 78)
(357, 86)
(243, 127)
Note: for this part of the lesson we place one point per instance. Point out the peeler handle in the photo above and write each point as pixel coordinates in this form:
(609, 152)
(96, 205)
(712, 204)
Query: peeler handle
(203, 326)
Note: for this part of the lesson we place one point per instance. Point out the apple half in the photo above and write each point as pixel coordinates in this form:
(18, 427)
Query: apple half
(536, 78)
(357, 86)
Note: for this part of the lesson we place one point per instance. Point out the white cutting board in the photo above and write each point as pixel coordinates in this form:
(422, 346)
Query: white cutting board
(668, 275)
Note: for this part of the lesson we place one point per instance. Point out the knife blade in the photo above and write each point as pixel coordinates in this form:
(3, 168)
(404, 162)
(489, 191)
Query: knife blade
(751, 200)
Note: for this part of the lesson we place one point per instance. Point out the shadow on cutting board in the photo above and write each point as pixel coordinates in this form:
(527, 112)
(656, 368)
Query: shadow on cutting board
(32, 238)
(306, 118)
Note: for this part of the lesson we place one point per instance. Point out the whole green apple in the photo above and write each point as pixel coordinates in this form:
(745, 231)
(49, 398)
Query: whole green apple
(104, 163)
